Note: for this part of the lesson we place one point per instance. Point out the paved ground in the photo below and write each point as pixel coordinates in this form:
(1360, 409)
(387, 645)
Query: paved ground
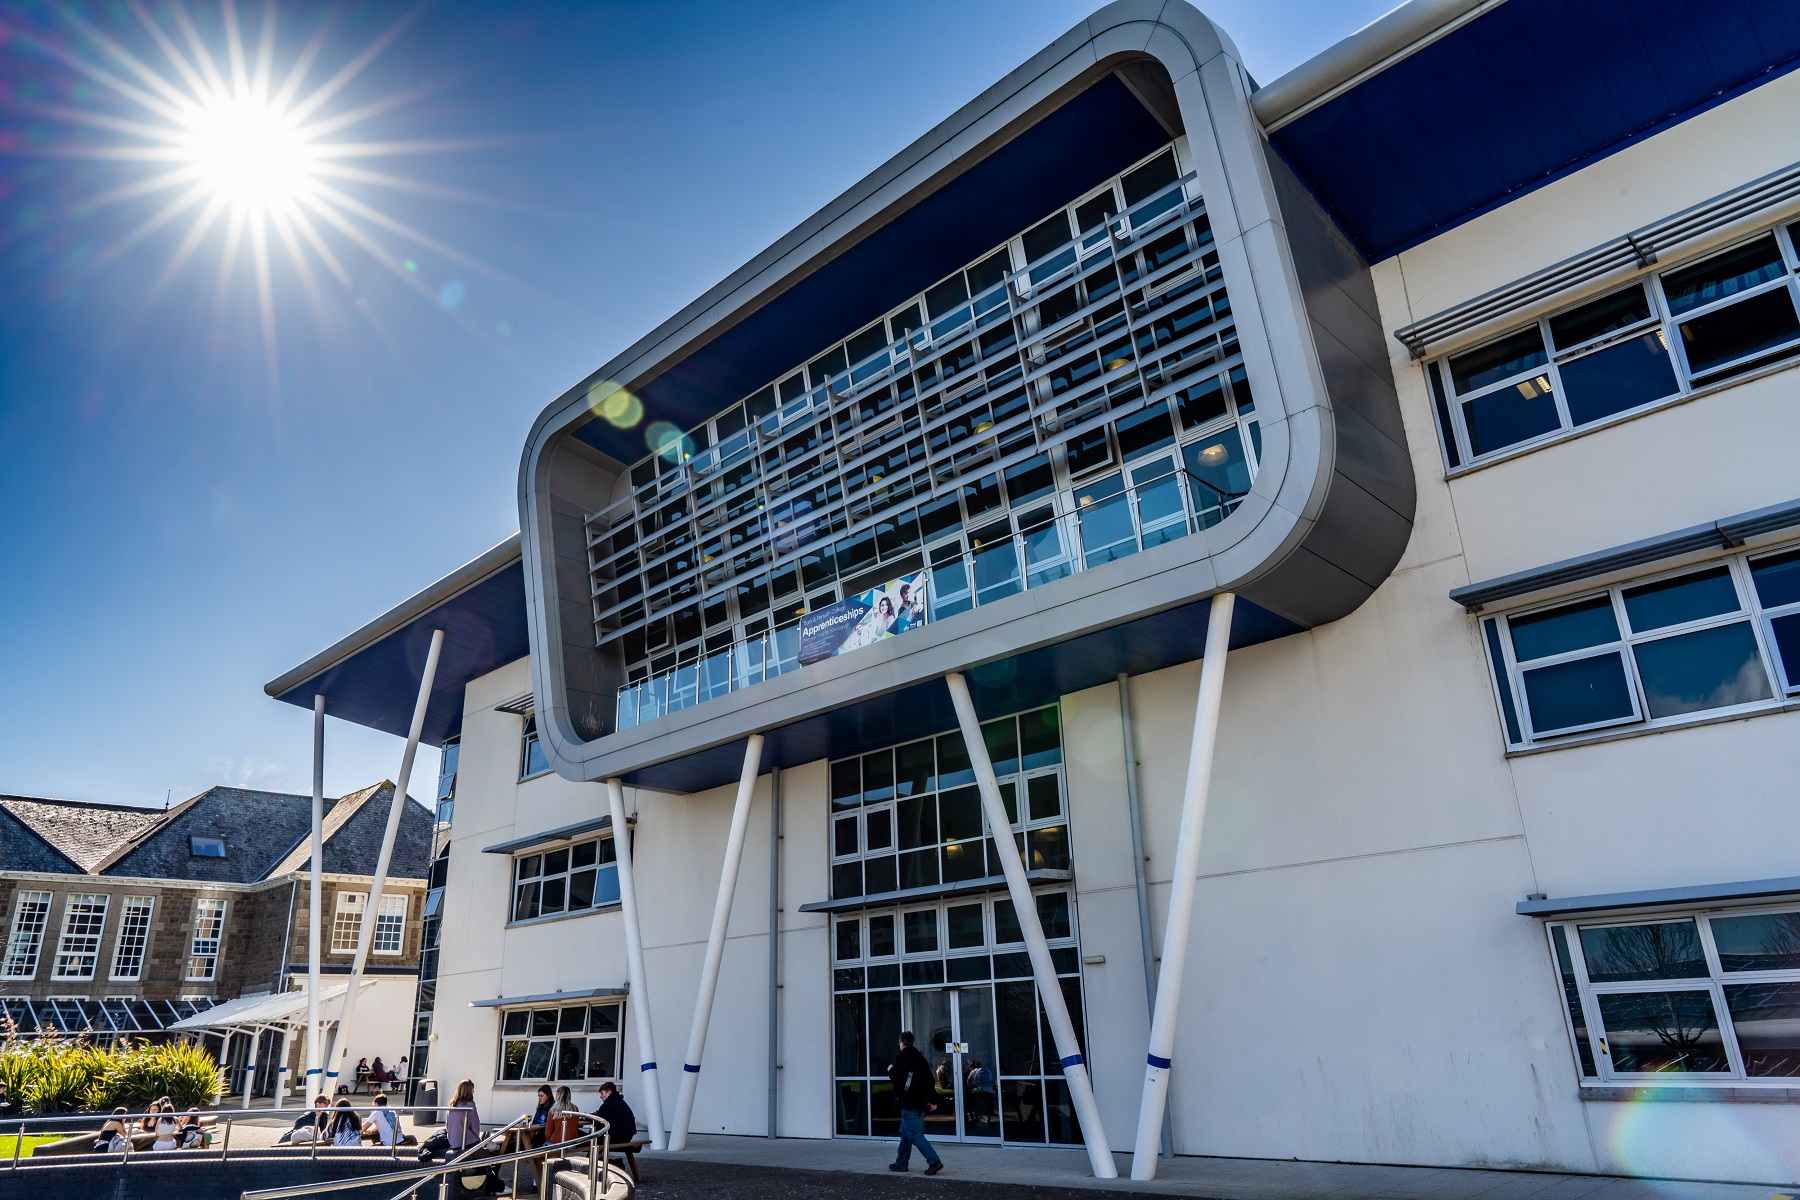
(800, 1169)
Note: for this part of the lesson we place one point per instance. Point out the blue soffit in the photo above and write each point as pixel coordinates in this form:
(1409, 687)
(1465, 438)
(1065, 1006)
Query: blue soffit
(1084, 142)
(1525, 93)
(372, 677)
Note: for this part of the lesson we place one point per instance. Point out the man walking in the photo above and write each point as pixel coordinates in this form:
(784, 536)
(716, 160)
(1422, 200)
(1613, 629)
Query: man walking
(916, 1093)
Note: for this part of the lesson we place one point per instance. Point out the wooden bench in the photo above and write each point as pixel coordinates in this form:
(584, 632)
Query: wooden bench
(628, 1151)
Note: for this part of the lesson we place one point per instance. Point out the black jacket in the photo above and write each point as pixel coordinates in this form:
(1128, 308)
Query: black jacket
(914, 1088)
(618, 1115)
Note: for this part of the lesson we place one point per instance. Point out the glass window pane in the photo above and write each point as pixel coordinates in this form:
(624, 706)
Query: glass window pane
(1200, 403)
(1046, 237)
(1511, 415)
(878, 776)
(918, 868)
(1766, 1017)
(917, 818)
(1777, 579)
(512, 1064)
(964, 861)
(1029, 480)
(516, 1023)
(1044, 798)
(1560, 630)
(1047, 849)
(843, 836)
(556, 862)
(1017, 1023)
(572, 1020)
(1053, 914)
(1739, 330)
(1565, 969)
(881, 936)
(966, 928)
(1040, 738)
(881, 875)
(921, 931)
(846, 880)
(849, 1018)
(1655, 950)
(1145, 432)
(1149, 179)
(1758, 941)
(1002, 740)
(849, 939)
(602, 1060)
(1678, 601)
(1586, 691)
(1713, 668)
(988, 272)
(946, 296)
(884, 1030)
(1601, 316)
(1727, 274)
(581, 890)
(954, 768)
(1786, 631)
(878, 829)
(552, 896)
(583, 854)
(603, 1018)
(1006, 923)
(1663, 1031)
(846, 781)
(1498, 360)
(537, 1060)
(1618, 378)
(543, 1022)
(959, 814)
(1218, 467)
(571, 1057)
(913, 768)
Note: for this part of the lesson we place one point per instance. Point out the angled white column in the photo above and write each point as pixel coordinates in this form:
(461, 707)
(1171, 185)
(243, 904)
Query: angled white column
(639, 1000)
(1062, 1028)
(340, 1041)
(1181, 888)
(715, 944)
(281, 1070)
(314, 1059)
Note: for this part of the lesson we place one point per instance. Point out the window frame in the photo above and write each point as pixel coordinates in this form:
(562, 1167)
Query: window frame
(131, 909)
(11, 966)
(1507, 676)
(604, 845)
(529, 740)
(204, 952)
(1713, 984)
(385, 914)
(1661, 320)
(345, 933)
(554, 1040)
(80, 948)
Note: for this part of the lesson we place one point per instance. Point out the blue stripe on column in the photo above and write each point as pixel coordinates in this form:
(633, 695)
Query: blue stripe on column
(315, 1071)
(691, 1068)
(649, 1066)
(1074, 1060)
(1157, 1062)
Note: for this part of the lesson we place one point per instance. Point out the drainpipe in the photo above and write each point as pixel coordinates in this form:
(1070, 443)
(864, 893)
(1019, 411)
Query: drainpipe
(774, 938)
(1137, 866)
(340, 1042)
(1056, 1009)
(314, 1059)
(1182, 886)
(623, 850)
(715, 944)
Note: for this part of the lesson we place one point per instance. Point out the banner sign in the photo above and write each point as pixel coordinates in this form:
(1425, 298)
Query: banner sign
(860, 620)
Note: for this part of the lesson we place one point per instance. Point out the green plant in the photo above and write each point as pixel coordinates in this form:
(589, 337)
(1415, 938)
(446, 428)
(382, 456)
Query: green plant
(51, 1075)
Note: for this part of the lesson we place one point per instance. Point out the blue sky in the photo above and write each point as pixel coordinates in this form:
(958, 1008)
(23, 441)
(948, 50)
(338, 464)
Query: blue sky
(199, 490)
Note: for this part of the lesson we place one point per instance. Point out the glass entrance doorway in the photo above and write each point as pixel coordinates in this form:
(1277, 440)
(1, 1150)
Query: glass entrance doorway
(955, 1031)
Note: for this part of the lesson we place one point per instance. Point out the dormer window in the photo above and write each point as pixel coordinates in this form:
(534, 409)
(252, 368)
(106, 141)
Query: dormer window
(206, 847)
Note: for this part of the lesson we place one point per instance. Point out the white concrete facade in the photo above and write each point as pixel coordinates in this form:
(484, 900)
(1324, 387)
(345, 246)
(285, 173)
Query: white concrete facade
(1360, 988)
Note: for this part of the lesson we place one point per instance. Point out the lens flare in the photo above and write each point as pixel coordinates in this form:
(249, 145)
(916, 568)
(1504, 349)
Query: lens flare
(615, 405)
(248, 152)
(667, 441)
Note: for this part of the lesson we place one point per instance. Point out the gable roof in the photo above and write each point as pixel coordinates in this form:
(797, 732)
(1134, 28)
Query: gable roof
(68, 836)
(352, 832)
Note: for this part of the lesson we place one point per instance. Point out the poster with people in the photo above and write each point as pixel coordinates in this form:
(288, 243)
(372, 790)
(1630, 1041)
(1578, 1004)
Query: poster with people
(861, 620)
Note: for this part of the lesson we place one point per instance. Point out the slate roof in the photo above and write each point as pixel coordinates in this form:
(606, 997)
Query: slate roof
(67, 836)
(265, 834)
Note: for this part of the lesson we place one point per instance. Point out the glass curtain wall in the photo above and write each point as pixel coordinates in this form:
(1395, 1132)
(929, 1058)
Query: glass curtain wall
(1074, 396)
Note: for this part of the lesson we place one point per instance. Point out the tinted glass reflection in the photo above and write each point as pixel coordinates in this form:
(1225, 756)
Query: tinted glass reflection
(1511, 415)
(1584, 691)
(1617, 378)
(1740, 330)
(1663, 1031)
(1766, 1018)
(1560, 630)
(1723, 275)
(1572, 1000)
(1498, 360)
(1680, 600)
(1713, 668)
(1656, 950)
(1758, 941)
(1777, 579)
(1601, 316)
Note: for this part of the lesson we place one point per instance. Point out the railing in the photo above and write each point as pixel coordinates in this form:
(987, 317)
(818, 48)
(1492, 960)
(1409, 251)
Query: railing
(597, 1140)
(71, 1124)
(1112, 519)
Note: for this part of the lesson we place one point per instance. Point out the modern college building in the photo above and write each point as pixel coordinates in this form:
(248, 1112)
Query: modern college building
(1448, 382)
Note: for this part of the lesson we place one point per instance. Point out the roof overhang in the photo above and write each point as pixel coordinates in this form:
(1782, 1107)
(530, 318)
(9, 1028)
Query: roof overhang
(1699, 895)
(599, 993)
(372, 677)
(1445, 109)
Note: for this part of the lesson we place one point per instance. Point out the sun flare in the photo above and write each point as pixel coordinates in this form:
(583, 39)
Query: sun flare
(248, 152)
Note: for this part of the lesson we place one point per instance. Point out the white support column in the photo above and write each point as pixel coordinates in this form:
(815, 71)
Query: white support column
(1062, 1028)
(639, 1000)
(715, 944)
(250, 1066)
(1181, 888)
(340, 1041)
(314, 1058)
(282, 1071)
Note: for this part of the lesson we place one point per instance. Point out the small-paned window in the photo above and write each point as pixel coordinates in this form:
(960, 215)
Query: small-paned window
(571, 1042)
(1674, 649)
(346, 921)
(1640, 345)
(574, 878)
(133, 938)
(1688, 999)
(532, 759)
(206, 847)
(208, 939)
(31, 914)
(78, 950)
(390, 925)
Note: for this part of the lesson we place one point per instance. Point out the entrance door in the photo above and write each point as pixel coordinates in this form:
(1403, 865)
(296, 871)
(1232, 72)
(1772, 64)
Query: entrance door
(955, 1031)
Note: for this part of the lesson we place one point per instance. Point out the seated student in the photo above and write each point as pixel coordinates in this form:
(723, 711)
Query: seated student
(462, 1125)
(157, 1108)
(346, 1125)
(620, 1120)
(310, 1125)
(168, 1131)
(377, 1072)
(112, 1135)
(192, 1136)
(383, 1126)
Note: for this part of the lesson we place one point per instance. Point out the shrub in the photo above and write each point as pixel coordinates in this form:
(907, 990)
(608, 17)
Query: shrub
(136, 1076)
(54, 1075)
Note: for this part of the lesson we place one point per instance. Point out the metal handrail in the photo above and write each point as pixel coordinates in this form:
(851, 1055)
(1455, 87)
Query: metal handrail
(417, 1177)
(96, 1120)
(740, 672)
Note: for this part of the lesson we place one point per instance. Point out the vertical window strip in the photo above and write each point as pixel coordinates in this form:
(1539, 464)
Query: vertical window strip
(390, 925)
(133, 938)
(1497, 659)
(208, 940)
(31, 915)
(78, 950)
(1446, 427)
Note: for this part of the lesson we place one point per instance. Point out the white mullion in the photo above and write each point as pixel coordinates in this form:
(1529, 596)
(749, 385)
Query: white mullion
(1565, 421)
(1598, 1042)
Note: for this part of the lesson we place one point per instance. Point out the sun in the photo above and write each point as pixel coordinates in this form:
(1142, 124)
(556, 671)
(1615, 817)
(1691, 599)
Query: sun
(248, 153)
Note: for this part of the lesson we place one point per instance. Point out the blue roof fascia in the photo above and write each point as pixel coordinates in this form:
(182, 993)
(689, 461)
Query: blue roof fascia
(1445, 135)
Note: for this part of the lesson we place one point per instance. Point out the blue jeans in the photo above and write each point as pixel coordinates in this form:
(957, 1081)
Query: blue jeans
(912, 1133)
